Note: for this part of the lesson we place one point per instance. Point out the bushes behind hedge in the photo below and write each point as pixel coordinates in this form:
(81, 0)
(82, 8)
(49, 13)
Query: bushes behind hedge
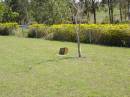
(107, 34)
(8, 28)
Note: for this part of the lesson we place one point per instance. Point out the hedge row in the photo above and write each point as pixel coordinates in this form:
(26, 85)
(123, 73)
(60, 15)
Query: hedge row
(8, 28)
(107, 34)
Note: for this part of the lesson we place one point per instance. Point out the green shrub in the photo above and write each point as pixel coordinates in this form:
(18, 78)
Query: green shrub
(37, 31)
(8, 28)
(104, 34)
(63, 33)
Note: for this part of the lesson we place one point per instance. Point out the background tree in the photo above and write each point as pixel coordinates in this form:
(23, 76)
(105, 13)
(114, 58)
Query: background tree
(60, 11)
(9, 16)
(50, 11)
(110, 8)
(94, 4)
(20, 7)
(2, 9)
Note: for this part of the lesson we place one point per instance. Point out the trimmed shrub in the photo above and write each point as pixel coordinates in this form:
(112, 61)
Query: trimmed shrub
(63, 33)
(37, 31)
(104, 34)
(8, 28)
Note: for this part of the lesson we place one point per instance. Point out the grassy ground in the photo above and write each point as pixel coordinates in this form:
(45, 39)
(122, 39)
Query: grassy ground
(32, 68)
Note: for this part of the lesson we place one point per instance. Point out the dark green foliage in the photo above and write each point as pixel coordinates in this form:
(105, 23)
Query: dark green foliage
(18, 10)
(9, 16)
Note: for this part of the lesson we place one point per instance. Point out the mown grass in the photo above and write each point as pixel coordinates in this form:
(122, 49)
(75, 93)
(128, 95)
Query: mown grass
(33, 68)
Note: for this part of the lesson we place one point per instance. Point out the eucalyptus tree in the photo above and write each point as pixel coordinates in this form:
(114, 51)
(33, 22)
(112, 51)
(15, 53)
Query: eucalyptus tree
(91, 7)
(121, 9)
(110, 4)
(111, 10)
(94, 5)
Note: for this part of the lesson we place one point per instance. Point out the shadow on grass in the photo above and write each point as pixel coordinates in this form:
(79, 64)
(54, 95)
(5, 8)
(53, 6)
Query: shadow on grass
(61, 58)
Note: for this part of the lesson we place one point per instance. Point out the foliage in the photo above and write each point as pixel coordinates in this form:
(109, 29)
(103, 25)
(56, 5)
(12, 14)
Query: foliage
(9, 16)
(8, 28)
(37, 31)
(62, 11)
(19, 10)
(106, 34)
(50, 11)
(63, 32)
(2, 9)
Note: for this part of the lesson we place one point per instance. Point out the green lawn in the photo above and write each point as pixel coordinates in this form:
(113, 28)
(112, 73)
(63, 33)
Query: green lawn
(33, 68)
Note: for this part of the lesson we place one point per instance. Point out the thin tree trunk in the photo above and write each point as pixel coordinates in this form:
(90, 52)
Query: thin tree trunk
(94, 11)
(121, 18)
(128, 10)
(109, 10)
(78, 40)
(77, 32)
(77, 17)
(110, 7)
(121, 10)
(112, 18)
(125, 14)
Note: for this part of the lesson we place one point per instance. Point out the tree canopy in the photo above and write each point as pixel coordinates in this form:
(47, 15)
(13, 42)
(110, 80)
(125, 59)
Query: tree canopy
(60, 11)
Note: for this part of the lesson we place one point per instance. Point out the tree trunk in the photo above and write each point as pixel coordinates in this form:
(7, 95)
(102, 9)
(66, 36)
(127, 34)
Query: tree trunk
(110, 7)
(109, 10)
(94, 11)
(95, 19)
(79, 10)
(128, 10)
(125, 16)
(112, 18)
(121, 17)
(77, 28)
(78, 40)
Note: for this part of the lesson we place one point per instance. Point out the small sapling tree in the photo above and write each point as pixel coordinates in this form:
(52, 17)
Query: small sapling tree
(77, 15)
